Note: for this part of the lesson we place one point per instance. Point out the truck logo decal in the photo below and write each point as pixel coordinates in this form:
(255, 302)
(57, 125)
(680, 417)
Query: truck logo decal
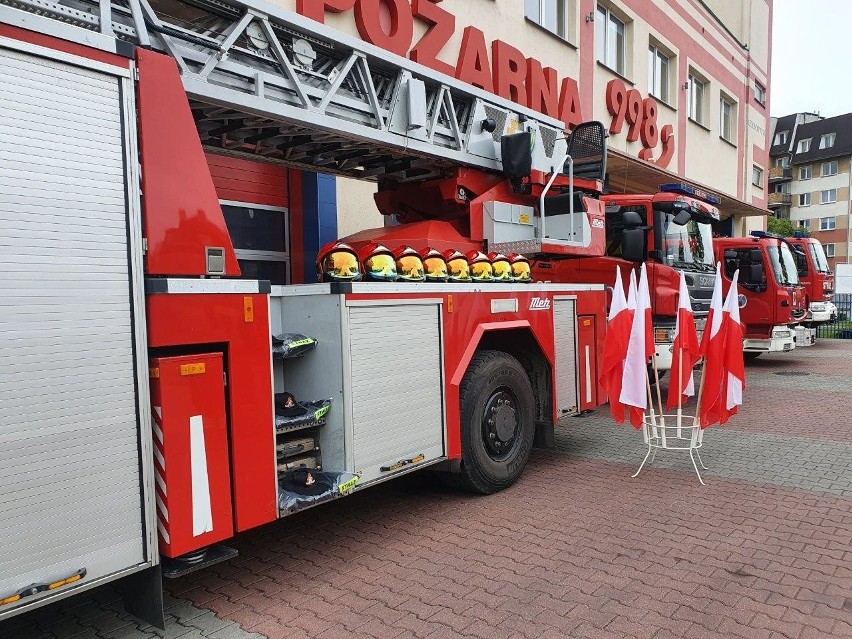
(742, 300)
(597, 224)
(540, 304)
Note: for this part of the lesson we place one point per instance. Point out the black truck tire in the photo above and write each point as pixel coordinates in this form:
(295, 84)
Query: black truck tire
(497, 422)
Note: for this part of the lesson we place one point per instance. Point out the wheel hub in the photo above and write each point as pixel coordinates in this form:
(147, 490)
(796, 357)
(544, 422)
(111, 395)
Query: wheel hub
(500, 423)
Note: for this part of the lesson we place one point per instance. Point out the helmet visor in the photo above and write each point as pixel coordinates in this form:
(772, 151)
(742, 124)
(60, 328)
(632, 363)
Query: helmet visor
(459, 269)
(436, 268)
(341, 265)
(502, 270)
(410, 267)
(481, 271)
(381, 266)
(521, 272)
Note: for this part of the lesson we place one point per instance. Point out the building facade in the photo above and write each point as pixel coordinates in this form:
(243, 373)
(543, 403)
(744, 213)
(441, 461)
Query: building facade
(681, 85)
(811, 178)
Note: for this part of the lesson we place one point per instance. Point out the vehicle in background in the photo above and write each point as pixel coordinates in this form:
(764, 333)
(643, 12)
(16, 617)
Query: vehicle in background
(817, 278)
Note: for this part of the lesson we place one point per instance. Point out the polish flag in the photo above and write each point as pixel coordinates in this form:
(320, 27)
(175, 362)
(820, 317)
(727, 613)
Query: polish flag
(685, 353)
(733, 382)
(633, 380)
(713, 350)
(615, 347)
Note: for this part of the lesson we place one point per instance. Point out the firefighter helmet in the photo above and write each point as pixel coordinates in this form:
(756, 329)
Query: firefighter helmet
(458, 269)
(378, 263)
(501, 269)
(409, 265)
(434, 265)
(338, 262)
(521, 270)
(480, 266)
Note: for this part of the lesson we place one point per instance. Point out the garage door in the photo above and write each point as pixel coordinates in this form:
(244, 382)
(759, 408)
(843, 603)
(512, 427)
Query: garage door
(70, 496)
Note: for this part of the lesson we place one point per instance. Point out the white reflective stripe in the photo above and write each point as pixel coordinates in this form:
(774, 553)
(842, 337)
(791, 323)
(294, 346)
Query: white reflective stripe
(155, 423)
(160, 481)
(202, 515)
(162, 508)
(164, 533)
(159, 457)
(588, 376)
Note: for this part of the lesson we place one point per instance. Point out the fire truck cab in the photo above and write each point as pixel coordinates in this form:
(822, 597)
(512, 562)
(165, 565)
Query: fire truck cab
(817, 278)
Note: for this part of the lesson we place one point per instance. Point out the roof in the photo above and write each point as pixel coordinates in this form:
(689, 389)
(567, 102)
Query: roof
(631, 175)
(786, 123)
(841, 125)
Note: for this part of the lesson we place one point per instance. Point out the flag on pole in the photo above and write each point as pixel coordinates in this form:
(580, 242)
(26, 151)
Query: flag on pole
(713, 350)
(733, 382)
(615, 347)
(633, 380)
(685, 352)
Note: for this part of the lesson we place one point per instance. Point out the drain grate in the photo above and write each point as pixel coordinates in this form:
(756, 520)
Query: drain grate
(792, 373)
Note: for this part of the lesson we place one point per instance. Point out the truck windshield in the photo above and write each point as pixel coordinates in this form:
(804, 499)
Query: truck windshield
(783, 264)
(689, 245)
(818, 256)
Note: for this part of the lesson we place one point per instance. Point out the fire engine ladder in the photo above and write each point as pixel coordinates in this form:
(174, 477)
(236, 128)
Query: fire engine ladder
(265, 82)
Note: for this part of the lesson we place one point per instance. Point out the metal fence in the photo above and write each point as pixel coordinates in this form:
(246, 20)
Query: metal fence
(841, 328)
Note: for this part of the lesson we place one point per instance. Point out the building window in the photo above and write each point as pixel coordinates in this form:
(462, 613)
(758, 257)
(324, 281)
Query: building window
(829, 250)
(804, 199)
(805, 224)
(727, 120)
(610, 39)
(828, 196)
(760, 95)
(658, 73)
(828, 168)
(827, 224)
(827, 140)
(781, 137)
(805, 172)
(696, 99)
(757, 176)
(261, 238)
(782, 162)
(804, 146)
(784, 187)
(549, 14)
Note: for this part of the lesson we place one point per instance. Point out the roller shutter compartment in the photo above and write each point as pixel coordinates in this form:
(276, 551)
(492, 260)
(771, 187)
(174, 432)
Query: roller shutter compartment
(565, 341)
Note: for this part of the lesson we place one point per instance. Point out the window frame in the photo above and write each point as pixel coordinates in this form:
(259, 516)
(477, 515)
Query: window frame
(262, 255)
(805, 223)
(781, 138)
(828, 223)
(822, 172)
(804, 142)
(725, 101)
(605, 15)
(804, 199)
(561, 6)
(655, 72)
(832, 137)
(695, 102)
(760, 94)
(807, 168)
(829, 252)
(758, 171)
(822, 199)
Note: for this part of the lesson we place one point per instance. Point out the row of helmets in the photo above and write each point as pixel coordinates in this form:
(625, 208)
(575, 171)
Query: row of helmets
(339, 262)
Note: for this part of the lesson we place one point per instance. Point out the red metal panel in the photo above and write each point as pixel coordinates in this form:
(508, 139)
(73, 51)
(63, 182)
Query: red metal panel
(42, 40)
(251, 182)
(181, 209)
(177, 320)
(588, 370)
(191, 459)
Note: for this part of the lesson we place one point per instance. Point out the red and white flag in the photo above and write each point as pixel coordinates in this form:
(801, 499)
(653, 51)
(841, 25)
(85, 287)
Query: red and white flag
(633, 381)
(685, 352)
(733, 382)
(615, 347)
(713, 350)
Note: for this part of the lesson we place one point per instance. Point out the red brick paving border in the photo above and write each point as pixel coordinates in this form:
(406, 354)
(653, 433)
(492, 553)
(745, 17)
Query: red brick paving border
(576, 549)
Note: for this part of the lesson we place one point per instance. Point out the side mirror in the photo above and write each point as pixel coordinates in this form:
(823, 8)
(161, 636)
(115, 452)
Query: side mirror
(516, 153)
(633, 244)
(683, 216)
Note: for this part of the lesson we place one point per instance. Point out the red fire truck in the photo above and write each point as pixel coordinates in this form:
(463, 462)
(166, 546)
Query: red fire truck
(671, 232)
(772, 301)
(146, 413)
(817, 278)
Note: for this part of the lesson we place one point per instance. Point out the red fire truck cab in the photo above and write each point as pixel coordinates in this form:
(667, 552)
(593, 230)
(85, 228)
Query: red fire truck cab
(817, 278)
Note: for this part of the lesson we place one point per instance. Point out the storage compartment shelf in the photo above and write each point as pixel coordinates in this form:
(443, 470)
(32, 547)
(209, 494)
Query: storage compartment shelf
(294, 496)
(313, 418)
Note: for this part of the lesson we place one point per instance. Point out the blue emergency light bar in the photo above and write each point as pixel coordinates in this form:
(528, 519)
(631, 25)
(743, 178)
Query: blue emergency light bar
(689, 189)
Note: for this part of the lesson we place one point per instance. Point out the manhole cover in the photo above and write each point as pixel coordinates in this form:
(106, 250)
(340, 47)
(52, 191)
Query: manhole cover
(793, 373)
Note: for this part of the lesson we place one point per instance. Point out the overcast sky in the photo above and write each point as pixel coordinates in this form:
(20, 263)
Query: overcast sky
(811, 57)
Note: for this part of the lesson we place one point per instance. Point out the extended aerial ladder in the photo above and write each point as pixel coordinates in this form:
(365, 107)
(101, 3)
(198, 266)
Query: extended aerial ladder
(266, 83)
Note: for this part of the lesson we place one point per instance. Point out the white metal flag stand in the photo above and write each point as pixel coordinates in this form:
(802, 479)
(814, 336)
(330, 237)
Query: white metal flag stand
(671, 432)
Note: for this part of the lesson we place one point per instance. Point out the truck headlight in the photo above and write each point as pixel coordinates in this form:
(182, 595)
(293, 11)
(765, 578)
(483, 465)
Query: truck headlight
(818, 307)
(782, 333)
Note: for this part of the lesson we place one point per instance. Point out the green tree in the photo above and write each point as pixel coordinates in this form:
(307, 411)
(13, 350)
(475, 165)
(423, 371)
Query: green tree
(784, 228)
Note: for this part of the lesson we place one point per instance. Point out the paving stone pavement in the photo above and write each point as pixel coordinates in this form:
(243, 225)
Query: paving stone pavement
(575, 549)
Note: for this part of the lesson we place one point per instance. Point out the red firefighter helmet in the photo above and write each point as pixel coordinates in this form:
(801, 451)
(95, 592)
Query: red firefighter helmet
(480, 266)
(458, 269)
(434, 265)
(521, 270)
(409, 264)
(338, 262)
(501, 268)
(378, 263)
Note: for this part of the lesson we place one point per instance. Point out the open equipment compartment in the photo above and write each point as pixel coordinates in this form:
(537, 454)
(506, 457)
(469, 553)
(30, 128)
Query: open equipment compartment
(379, 359)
